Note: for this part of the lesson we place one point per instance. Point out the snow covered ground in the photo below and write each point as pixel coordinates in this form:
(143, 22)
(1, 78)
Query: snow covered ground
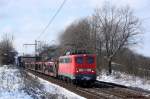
(11, 84)
(125, 79)
(55, 89)
(16, 84)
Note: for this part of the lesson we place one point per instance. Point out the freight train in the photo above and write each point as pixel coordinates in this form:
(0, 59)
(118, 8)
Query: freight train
(77, 67)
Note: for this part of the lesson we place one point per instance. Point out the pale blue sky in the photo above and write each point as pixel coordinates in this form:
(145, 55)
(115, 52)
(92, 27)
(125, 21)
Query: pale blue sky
(26, 19)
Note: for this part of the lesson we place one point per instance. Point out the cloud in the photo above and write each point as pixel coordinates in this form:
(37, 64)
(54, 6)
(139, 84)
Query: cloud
(6, 29)
(27, 18)
(135, 4)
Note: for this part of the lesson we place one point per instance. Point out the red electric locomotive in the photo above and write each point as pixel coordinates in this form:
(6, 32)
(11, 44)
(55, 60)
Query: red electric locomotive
(78, 67)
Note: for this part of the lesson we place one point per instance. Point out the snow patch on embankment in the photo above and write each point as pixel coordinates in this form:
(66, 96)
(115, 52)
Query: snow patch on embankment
(56, 89)
(125, 79)
(17, 84)
(11, 84)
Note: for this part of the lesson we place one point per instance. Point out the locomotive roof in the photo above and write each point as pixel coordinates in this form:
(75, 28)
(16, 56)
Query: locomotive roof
(77, 55)
(75, 52)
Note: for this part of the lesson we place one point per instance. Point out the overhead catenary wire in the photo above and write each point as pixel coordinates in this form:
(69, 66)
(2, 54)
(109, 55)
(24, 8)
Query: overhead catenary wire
(51, 20)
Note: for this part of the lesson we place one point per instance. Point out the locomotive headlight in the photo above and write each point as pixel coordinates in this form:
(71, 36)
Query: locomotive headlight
(93, 70)
(77, 70)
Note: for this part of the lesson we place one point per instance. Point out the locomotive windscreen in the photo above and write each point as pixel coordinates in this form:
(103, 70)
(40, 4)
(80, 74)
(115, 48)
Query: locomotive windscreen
(79, 60)
(90, 60)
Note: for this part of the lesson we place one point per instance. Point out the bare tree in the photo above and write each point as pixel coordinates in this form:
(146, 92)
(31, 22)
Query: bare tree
(7, 51)
(116, 28)
(77, 36)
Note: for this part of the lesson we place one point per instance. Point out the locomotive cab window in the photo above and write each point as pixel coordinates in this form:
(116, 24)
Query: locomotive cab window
(90, 60)
(67, 60)
(79, 60)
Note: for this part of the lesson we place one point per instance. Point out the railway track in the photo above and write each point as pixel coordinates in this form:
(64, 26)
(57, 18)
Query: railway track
(123, 91)
(100, 90)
